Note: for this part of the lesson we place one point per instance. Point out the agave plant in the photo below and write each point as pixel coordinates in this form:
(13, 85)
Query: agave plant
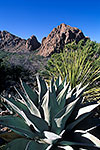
(50, 118)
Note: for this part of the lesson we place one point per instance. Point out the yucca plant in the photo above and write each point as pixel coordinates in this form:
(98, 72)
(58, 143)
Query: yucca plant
(79, 63)
(50, 118)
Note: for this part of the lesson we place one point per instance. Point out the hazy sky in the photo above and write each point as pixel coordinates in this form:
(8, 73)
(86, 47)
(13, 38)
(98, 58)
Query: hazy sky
(38, 17)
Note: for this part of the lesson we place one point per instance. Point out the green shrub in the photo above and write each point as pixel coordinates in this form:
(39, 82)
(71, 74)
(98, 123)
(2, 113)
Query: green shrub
(76, 62)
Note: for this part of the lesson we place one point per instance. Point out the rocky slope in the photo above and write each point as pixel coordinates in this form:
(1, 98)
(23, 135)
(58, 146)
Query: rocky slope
(54, 42)
(12, 43)
(58, 37)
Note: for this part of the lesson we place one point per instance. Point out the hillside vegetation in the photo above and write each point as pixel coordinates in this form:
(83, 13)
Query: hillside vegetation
(14, 66)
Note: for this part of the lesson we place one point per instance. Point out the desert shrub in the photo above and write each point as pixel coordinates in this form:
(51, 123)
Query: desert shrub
(9, 75)
(19, 65)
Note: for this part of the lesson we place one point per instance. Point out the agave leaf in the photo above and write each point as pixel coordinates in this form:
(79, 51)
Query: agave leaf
(95, 130)
(42, 87)
(85, 137)
(12, 102)
(80, 90)
(21, 95)
(81, 144)
(61, 85)
(27, 116)
(61, 98)
(66, 147)
(89, 136)
(49, 147)
(21, 109)
(25, 144)
(58, 81)
(79, 86)
(49, 104)
(75, 93)
(92, 125)
(8, 107)
(86, 109)
(61, 118)
(52, 85)
(17, 106)
(51, 137)
(38, 123)
(32, 95)
(37, 146)
(81, 117)
(70, 97)
(32, 98)
(30, 105)
(17, 125)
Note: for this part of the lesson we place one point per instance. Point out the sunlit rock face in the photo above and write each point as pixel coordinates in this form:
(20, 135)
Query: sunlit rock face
(58, 37)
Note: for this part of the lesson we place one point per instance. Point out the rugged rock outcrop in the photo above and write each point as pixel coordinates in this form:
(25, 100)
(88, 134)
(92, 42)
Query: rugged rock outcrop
(59, 36)
(32, 43)
(54, 42)
(12, 43)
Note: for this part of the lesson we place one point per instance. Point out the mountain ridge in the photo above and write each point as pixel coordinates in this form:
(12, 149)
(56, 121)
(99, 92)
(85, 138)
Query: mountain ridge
(54, 42)
(58, 38)
(13, 43)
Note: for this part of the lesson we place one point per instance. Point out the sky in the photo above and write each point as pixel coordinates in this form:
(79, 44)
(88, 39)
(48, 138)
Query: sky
(25, 18)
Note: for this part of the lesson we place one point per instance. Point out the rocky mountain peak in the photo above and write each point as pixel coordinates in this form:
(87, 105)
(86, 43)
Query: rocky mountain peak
(58, 37)
(54, 42)
(32, 43)
(12, 43)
